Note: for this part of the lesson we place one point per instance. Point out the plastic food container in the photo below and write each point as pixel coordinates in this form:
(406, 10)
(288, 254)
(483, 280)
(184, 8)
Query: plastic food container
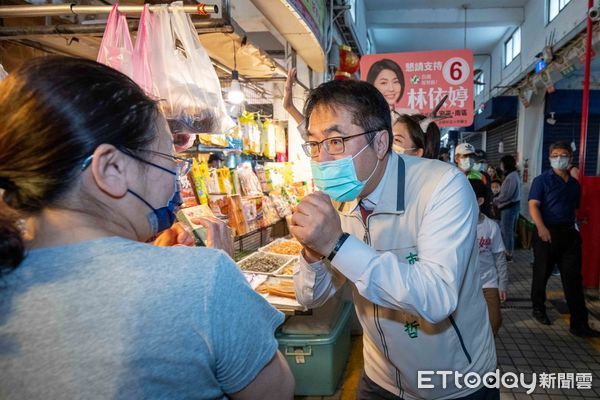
(263, 263)
(276, 247)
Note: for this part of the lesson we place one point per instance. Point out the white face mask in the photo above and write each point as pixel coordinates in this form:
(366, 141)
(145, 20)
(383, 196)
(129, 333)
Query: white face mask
(401, 150)
(465, 164)
(559, 162)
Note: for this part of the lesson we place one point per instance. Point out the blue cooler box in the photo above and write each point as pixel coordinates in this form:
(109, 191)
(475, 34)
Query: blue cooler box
(317, 360)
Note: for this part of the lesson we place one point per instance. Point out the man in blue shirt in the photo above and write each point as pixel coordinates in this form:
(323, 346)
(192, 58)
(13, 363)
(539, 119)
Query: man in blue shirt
(553, 199)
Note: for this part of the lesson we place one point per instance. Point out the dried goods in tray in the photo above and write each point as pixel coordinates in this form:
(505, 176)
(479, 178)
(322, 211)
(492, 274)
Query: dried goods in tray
(287, 247)
(263, 263)
(278, 287)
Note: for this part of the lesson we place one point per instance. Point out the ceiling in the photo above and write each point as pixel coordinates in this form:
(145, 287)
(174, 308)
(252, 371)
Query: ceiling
(418, 25)
(251, 61)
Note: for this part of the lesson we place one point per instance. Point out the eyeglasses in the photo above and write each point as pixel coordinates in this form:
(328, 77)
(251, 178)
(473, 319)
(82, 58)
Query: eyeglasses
(184, 165)
(333, 145)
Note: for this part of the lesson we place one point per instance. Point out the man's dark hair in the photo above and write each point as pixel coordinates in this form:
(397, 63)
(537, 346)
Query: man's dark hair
(480, 155)
(479, 188)
(367, 105)
(562, 146)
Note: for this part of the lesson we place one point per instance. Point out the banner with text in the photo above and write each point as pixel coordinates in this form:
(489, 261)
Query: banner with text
(416, 82)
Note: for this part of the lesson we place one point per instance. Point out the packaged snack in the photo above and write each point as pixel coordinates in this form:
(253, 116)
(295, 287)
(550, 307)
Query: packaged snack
(248, 180)
(235, 214)
(212, 184)
(270, 214)
(219, 206)
(260, 174)
(282, 207)
(186, 215)
(187, 192)
(268, 140)
(200, 174)
(250, 213)
(280, 142)
(224, 178)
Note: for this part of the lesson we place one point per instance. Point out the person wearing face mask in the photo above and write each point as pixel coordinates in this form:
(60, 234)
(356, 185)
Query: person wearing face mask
(400, 231)
(464, 158)
(88, 309)
(508, 202)
(553, 200)
(415, 135)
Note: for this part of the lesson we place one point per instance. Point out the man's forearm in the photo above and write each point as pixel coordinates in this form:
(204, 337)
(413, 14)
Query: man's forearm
(536, 215)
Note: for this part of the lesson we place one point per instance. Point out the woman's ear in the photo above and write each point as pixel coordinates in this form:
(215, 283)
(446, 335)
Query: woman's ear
(109, 170)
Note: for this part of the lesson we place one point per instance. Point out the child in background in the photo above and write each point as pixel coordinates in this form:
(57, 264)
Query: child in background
(492, 261)
(496, 184)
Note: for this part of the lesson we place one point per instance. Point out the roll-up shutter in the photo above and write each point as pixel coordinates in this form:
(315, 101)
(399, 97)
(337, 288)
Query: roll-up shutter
(506, 133)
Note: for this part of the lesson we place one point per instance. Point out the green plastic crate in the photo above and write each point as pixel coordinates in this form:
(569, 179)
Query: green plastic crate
(318, 361)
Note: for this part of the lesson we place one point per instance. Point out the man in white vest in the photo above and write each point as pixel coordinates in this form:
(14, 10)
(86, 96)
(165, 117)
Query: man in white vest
(400, 230)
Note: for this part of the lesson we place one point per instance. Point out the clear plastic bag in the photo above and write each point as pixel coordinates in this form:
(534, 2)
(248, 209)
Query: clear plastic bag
(3, 73)
(116, 49)
(183, 75)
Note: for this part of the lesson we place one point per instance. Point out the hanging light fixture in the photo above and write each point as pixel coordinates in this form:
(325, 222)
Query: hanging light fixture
(235, 94)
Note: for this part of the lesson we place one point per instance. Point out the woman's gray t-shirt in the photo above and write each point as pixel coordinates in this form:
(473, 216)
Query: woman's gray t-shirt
(114, 318)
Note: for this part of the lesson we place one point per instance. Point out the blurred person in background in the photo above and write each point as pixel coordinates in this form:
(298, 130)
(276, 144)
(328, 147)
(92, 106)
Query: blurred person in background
(553, 200)
(508, 202)
(415, 135)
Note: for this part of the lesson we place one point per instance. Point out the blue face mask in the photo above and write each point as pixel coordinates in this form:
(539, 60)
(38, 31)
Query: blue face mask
(162, 218)
(159, 218)
(338, 178)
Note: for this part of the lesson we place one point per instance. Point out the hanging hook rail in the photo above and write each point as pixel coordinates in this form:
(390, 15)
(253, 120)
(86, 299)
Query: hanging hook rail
(70, 9)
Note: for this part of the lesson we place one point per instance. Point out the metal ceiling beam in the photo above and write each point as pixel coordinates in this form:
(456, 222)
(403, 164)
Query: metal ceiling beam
(30, 32)
(437, 18)
(73, 8)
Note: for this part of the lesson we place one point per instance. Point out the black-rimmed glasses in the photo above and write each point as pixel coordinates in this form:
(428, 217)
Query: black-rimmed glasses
(184, 165)
(332, 145)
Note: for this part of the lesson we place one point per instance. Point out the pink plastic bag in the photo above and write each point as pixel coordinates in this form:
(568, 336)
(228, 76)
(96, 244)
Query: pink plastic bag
(141, 73)
(116, 49)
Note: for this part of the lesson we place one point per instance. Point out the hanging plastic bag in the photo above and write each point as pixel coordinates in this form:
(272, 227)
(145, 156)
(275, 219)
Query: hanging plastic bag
(183, 74)
(141, 73)
(116, 49)
(3, 73)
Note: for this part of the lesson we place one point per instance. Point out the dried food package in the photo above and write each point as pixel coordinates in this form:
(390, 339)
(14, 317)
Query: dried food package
(248, 180)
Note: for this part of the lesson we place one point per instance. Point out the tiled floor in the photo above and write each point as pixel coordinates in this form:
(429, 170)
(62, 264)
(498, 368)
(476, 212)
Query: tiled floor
(525, 346)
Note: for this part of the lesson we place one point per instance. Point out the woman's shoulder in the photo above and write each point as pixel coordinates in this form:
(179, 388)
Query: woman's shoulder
(126, 257)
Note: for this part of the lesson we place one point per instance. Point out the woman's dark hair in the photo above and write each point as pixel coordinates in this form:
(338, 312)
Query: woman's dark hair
(54, 112)
(367, 105)
(428, 140)
(509, 163)
(383, 64)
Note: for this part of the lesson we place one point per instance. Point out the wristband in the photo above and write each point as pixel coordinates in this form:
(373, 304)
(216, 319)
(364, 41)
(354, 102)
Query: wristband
(338, 245)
